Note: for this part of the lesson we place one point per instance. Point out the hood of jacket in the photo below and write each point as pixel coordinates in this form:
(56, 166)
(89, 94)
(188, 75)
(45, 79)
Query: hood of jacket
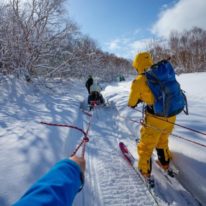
(142, 62)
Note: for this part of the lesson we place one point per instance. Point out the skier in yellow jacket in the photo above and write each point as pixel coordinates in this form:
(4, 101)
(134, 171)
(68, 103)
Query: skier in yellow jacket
(156, 130)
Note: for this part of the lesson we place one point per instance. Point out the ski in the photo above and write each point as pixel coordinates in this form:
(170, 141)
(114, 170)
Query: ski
(169, 174)
(149, 182)
(153, 186)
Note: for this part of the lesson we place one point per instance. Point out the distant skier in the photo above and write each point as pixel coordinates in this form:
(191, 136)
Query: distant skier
(95, 96)
(156, 130)
(89, 82)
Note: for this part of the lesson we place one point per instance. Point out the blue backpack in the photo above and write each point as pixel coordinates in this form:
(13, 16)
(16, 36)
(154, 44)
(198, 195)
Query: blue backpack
(169, 98)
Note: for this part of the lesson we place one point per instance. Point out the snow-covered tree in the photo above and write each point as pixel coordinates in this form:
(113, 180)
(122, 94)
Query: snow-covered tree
(187, 49)
(37, 37)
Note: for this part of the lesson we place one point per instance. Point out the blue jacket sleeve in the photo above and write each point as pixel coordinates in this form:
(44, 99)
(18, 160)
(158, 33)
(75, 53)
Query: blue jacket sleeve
(56, 188)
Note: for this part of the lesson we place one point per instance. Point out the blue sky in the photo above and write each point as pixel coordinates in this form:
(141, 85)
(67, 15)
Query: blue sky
(125, 27)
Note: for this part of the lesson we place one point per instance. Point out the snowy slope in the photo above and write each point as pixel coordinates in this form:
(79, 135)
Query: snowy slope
(28, 149)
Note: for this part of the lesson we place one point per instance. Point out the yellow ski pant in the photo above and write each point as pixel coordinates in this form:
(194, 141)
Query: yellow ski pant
(154, 134)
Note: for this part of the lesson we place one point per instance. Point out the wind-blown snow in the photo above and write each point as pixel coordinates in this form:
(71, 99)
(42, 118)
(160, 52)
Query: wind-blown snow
(29, 149)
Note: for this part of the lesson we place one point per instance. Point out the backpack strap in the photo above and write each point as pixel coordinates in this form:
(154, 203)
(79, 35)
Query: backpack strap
(186, 111)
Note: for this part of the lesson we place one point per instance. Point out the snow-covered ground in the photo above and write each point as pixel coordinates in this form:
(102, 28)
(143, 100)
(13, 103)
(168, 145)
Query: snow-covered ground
(28, 149)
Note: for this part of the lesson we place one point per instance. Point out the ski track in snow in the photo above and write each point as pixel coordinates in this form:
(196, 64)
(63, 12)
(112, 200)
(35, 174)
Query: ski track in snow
(110, 179)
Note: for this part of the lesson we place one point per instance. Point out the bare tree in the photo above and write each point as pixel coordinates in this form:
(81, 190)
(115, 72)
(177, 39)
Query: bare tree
(32, 33)
(35, 38)
(187, 49)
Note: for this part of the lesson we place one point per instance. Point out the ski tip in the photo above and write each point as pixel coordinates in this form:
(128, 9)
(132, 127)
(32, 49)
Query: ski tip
(123, 147)
(121, 144)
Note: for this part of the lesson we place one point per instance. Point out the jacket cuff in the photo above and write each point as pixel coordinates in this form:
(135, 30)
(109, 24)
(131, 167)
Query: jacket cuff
(73, 163)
